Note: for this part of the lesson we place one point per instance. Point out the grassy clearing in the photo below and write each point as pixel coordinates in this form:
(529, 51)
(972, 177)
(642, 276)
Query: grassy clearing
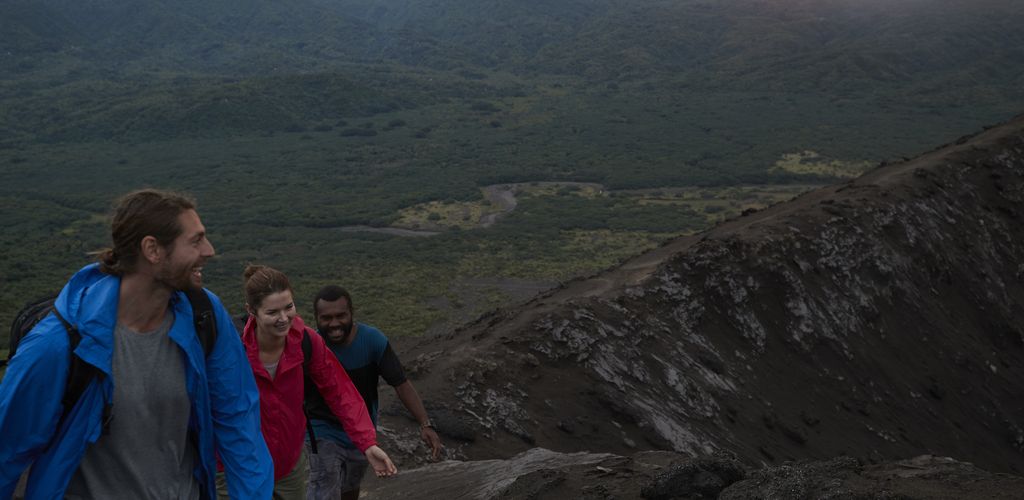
(813, 163)
(581, 189)
(92, 220)
(717, 204)
(443, 215)
(450, 214)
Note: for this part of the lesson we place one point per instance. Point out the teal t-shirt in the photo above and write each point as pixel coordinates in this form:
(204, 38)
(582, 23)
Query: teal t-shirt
(365, 360)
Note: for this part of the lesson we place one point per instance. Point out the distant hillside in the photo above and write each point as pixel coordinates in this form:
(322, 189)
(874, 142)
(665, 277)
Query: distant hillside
(362, 112)
(753, 42)
(221, 37)
(810, 43)
(878, 319)
(954, 58)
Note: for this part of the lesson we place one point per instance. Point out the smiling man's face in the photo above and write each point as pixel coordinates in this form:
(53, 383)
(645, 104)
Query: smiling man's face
(334, 320)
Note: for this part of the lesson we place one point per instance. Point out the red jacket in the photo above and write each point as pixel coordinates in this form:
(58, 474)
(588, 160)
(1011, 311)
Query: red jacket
(281, 417)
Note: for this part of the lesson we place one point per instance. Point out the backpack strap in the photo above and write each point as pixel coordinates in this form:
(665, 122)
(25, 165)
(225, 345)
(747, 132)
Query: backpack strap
(307, 353)
(307, 360)
(203, 317)
(80, 375)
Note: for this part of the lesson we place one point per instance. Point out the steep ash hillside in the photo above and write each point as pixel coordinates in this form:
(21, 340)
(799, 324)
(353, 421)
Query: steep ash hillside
(880, 319)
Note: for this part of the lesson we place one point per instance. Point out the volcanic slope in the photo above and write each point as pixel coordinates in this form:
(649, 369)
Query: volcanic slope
(878, 319)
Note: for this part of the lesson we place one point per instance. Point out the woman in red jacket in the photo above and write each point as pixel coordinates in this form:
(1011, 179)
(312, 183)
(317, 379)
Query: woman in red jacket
(273, 342)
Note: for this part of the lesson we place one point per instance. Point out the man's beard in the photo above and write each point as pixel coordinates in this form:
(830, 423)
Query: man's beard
(345, 330)
(178, 279)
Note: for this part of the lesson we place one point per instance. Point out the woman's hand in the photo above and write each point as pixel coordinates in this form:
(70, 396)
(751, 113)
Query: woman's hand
(382, 465)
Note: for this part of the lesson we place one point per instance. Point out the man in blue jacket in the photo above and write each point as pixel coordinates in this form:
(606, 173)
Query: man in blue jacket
(149, 425)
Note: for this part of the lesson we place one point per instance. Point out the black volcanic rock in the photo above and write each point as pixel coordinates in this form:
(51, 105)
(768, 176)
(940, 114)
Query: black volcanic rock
(922, 477)
(540, 474)
(694, 478)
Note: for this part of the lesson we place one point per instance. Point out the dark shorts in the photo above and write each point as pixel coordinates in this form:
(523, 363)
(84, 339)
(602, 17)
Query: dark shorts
(333, 470)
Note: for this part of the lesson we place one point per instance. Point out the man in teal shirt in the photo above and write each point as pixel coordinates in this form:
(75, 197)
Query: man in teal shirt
(366, 355)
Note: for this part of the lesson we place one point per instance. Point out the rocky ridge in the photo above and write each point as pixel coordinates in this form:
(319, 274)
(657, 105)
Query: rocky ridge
(878, 319)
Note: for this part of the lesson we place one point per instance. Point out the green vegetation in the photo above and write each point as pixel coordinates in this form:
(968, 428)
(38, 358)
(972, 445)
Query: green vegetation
(440, 215)
(618, 124)
(810, 162)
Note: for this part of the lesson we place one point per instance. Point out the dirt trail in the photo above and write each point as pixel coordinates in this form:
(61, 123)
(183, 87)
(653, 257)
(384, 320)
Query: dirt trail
(502, 196)
(394, 231)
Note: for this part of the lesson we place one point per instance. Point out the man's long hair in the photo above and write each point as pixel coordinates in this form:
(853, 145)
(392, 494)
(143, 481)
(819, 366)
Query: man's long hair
(146, 212)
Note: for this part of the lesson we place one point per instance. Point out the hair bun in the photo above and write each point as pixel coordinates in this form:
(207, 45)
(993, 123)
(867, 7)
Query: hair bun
(251, 270)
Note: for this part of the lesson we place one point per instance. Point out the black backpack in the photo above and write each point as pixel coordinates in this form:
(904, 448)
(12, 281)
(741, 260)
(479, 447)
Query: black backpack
(27, 317)
(307, 358)
(81, 373)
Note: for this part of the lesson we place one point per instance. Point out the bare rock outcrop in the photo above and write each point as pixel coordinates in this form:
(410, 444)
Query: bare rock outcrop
(540, 474)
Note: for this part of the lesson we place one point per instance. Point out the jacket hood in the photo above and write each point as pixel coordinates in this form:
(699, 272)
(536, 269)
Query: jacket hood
(89, 303)
(69, 301)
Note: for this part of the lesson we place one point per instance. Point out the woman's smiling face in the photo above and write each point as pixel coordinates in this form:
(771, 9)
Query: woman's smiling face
(274, 315)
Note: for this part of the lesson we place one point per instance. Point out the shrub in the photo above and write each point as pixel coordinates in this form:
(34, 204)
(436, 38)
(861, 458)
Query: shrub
(484, 107)
(358, 132)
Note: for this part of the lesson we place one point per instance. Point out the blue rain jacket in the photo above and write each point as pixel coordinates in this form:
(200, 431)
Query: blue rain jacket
(225, 414)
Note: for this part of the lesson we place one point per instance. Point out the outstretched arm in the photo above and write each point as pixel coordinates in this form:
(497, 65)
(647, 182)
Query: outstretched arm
(412, 402)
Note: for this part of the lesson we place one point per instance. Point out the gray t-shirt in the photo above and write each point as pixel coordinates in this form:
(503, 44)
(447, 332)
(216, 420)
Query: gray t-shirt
(271, 368)
(147, 453)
